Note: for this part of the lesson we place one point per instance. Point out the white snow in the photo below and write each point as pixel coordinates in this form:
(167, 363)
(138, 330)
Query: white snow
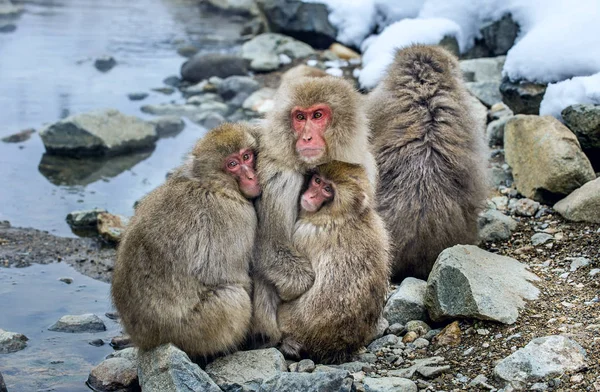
(582, 89)
(380, 52)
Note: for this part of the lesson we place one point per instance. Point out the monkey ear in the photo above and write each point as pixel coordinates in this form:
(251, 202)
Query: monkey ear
(364, 201)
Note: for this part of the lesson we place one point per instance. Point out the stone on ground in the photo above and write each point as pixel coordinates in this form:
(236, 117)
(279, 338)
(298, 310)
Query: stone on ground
(105, 63)
(114, 374)
(204, 66)
(11, 342)
(545, 157)
(333, 381)
(168, 369)
(106, 132)
(236, 89)
(469, 282)
(407, 302)
(583, 205)
(78, 324)
(522, 97)
(246, 369)
(389, 384)
(547, 356)
(495, 226)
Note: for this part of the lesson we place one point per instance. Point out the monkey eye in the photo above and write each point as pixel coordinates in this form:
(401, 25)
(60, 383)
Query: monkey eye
(328, 189)
(300, 117)
(246, 157)
(232, 164)
(317, 180)
(317, 115)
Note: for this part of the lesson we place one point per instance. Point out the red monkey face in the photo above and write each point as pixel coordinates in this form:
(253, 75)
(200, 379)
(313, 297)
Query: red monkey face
(319, 191)
(241, 166)
(310, 125)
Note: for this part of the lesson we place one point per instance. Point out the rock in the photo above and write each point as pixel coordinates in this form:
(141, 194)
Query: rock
(420, 343)
(331, 381)
(236, 89)
(9, 10)
(242, 7)
(19, 137)
(121, 342)
(137, 96)
(522, 97)
(2, 384)
(203, 87)
(354, 367)
(246, 370)
(418, 326)
(304, 366)
(584, 121)
(263, 51)
(105, 63)
(203, 98)
(389, 384)
(396, 329)
(308, 22)
(114, 374)
(84, 218)
(422, 366)
(164, 90)
(203, 66)
(261, 101)
(343, 52)
(487, 92)
(11, 342)
(578, 262)
(168, 125)
(96, 342)
(449, 336)
(495, 226)
(524, 207)
(410, 337)
(130, 353)
(500, 35)
(106, 132)
(172, 81)
(170, 109)
(545, 157)
(168, 369)
(469, 282)
(187, 51)
(500, 110)
(541, 238)
(111, 227)
(407, 302)
(450, 43)
(543, 357)
(66, 280)
(385, 341)
(484, 69)
(209, 120)
(78, 324)
(583, 205)
(481, 381)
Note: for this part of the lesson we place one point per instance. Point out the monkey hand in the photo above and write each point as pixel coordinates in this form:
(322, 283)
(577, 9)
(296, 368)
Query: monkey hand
(296, 276)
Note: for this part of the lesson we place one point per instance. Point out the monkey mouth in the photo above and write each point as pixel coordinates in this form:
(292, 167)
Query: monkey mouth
(311, 152)
(307, 206)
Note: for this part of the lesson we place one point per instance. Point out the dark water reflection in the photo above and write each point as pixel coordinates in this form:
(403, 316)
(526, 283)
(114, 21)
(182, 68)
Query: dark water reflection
(47, 73)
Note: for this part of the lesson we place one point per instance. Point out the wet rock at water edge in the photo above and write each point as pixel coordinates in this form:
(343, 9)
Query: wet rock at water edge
(542, 357)
(137, 96)
(583, 205)
(105, 63)
(121, 342)
(19, 137)
(84, 218)
(469, 282)
(236, 89)
(264, 50)
(168, 125)
(522, 97)
(204, 66)
(407, 302)
(105, 132)
(11, 342)
(114, 374)
(78, 324)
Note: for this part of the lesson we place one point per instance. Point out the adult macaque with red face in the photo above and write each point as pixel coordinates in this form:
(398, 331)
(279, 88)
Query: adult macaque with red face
(315, 120)
(346, 242)
(182, 270)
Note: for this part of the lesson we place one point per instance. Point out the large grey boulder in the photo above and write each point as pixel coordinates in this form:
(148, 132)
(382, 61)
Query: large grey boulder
(469, 282)
(246, 370)
(486, 77)
(265, 49)
(11, 342)
(583, 205)
(105, 132)
(114, 374)
(308, 22)
(548, 356)
(88, 322)
(330, 381)
(168, 369)
(500, 35)
(204, 66)
(584, 121)
(407, 302)
(546, 159)
(495, 226)
(389, 384)
(522, 97)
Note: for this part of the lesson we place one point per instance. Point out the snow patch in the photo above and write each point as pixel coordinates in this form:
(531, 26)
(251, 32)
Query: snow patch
(574, 91)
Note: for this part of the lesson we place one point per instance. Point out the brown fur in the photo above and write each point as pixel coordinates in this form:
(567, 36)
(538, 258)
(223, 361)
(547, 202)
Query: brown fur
(347, 245)
(279, 271)
(182, 270)
(431, 158)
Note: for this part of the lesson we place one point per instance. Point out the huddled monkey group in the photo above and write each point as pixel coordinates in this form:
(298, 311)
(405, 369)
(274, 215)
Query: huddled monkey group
(287, 233)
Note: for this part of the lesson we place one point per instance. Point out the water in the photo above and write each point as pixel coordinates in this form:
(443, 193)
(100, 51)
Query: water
(47, 73)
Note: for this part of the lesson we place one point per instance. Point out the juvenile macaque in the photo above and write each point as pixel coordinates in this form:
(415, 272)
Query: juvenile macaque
(315, 120)
(182, 270)
(346, 242)
(431, 158)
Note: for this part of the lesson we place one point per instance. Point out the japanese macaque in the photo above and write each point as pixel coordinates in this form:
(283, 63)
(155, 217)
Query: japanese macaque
(182, 270)
(315, 120)
(346, 242)
(431, 158)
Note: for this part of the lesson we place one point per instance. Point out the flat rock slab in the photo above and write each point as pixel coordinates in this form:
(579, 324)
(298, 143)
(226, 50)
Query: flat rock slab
(332, 381)
(407, 302)
(168, 369)
(106, 132)
(548, 356)
(11, 342)
(246, 370)
(583, 205)
(389, 384)
(114, 374)
(469, 282)
(78, 324)
(546, 159)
